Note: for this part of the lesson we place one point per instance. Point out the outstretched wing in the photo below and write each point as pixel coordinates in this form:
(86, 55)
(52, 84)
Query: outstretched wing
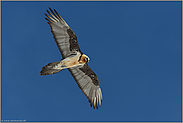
(64, 36)
(88, 82)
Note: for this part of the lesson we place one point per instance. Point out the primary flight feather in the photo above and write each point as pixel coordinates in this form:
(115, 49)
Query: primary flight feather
(72, 59)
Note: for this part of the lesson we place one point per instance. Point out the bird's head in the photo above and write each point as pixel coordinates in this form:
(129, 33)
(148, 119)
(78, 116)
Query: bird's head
(87, 59)
(84, 59)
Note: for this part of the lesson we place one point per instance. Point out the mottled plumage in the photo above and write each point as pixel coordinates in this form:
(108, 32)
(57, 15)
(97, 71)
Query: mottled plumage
(72, 59)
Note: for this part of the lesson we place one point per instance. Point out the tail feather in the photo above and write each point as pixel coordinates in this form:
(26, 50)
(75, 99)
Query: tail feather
(48, 69)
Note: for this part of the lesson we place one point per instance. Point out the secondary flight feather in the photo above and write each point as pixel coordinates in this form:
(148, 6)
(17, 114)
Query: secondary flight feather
(72, 59)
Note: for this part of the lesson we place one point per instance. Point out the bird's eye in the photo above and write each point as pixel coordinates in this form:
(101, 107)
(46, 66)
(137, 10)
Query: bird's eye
(86, 59)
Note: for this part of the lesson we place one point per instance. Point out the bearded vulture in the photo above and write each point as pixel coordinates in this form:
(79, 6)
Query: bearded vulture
(72, 59)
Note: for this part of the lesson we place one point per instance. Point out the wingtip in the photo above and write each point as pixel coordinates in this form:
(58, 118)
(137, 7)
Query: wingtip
(49, 8)
(45, 14)
(55, 11)
(90, 104)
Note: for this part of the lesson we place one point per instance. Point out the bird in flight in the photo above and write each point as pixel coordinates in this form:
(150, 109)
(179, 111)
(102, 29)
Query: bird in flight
(72, 59)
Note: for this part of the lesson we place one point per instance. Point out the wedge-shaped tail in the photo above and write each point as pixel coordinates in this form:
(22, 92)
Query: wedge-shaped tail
(50, 69)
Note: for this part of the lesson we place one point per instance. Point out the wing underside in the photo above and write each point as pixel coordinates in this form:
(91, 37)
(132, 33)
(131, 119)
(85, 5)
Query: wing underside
(88, 83)
(64, 36)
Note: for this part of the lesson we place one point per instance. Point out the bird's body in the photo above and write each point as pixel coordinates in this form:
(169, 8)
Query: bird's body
(72, 59)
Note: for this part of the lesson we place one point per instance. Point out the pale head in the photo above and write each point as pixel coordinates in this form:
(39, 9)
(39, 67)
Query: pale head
(84, 59)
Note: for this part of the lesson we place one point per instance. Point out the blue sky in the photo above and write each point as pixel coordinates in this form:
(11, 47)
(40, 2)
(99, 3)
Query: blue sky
(134, 48)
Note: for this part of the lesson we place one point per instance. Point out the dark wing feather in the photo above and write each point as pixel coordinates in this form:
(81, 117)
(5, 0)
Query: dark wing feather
(64, 36)
(88, 82)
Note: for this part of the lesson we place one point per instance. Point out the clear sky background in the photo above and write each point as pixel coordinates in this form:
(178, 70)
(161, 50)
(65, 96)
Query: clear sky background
(134, 48)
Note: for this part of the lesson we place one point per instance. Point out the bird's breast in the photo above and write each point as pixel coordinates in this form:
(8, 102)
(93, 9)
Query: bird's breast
(71, 61)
